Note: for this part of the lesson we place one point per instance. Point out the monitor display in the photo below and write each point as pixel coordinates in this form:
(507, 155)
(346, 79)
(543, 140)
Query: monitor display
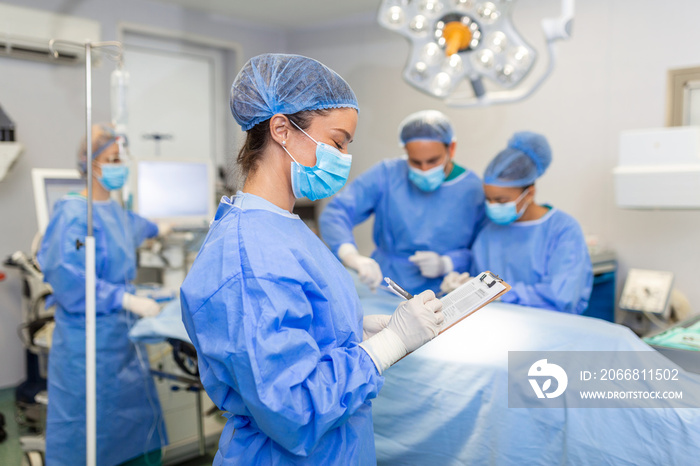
(56, 188)
(50, 185)
(175, 190)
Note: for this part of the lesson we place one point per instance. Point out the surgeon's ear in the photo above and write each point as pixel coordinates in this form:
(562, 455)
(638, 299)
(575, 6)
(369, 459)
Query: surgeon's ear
(96, 168)
(279, 128)
(531, 193)
(451, 149)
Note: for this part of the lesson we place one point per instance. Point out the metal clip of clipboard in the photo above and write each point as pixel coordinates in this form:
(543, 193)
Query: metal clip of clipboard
(488, 275)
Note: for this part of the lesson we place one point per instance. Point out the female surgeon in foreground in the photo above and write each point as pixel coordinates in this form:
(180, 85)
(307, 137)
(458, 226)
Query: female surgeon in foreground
(275, 318)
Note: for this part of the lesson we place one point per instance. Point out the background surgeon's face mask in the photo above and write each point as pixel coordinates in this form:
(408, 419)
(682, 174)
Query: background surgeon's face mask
(113, 175)
(506, 213)
(323, 179)
(428, 180)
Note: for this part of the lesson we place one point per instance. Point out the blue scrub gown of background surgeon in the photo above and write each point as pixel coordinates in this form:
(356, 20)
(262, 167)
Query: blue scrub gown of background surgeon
(546, 261)
(277, 322)
(129, 421)
(407, 220)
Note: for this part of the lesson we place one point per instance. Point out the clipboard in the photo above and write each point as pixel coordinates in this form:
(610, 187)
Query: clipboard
(493, 287)
(473, 295)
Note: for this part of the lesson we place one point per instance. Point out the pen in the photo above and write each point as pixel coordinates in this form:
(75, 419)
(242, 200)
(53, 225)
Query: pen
(393, 286)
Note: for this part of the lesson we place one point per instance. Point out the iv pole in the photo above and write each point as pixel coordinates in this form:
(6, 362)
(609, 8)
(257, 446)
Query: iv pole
(90, 324)
(90, 319)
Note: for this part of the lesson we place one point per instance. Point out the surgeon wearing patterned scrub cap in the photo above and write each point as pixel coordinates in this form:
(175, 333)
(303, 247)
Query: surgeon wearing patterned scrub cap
(283, 346)
(538, 249)
(427, 210)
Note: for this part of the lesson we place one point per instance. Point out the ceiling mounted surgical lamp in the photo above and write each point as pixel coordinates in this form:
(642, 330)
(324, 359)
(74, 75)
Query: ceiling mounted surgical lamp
(453, 41)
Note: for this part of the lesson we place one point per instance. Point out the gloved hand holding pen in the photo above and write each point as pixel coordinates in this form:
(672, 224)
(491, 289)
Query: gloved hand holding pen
(414, 323)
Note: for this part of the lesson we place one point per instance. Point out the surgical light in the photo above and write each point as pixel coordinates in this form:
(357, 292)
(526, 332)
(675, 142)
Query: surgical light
(453, 41)
(394, 16)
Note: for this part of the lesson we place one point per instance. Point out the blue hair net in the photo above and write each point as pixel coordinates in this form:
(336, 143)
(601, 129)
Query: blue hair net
(524, 160)
(429, 125)
(277, 83)
(103, 136)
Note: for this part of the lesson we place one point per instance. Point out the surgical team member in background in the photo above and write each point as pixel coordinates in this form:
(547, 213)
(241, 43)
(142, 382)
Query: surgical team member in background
(427, 210)
(129, 421)
(275, 318)
(538, 249)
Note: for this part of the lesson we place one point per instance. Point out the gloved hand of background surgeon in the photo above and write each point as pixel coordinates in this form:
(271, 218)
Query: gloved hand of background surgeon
(452, 281)
(371, 325)
(145, 307)
(414, 323)
(164, 229)
(367, 268)
(432, 264)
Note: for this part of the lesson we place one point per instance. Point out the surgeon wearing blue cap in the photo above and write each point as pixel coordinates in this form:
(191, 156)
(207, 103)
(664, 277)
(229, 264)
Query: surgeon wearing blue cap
(427, 210)
(283, 346)
(129, 419)
(538, 249)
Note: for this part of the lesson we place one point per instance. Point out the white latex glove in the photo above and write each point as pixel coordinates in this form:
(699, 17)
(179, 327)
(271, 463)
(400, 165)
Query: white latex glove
(453, 280)
(164, 229)
(418, 320)
(432, 264)
(371, 325)
(145, 307)
(414, 323)
(367, 268)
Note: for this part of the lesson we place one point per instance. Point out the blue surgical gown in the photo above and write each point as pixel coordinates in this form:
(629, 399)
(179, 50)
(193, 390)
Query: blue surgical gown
(407, 220)
(129, 420)
(276, 322)
(546, 261)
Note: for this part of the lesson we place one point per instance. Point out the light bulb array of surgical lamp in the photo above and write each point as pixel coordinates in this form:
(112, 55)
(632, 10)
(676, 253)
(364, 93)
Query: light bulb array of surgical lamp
(457, 40)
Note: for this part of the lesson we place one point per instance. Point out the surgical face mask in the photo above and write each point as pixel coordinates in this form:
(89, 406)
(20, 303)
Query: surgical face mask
(113, 175)
(323, 179)
(428, 180)
(506, 213)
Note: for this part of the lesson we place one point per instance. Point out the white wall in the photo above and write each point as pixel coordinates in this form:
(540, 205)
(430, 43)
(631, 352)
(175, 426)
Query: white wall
(46, 103)
(610, 77)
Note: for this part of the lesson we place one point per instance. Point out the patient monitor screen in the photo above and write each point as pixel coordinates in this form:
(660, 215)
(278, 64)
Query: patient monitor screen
(173, 189)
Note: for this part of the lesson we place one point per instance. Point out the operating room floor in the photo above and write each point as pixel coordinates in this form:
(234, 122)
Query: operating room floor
(207, 460)
(11, 453)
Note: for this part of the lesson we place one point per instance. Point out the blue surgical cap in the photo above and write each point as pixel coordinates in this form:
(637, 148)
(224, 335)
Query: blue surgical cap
(524, 160)
(277, 83)
(103, 136)
(427, 125)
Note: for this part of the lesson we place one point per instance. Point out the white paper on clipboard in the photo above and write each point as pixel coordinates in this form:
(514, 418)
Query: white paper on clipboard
(470, 297)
